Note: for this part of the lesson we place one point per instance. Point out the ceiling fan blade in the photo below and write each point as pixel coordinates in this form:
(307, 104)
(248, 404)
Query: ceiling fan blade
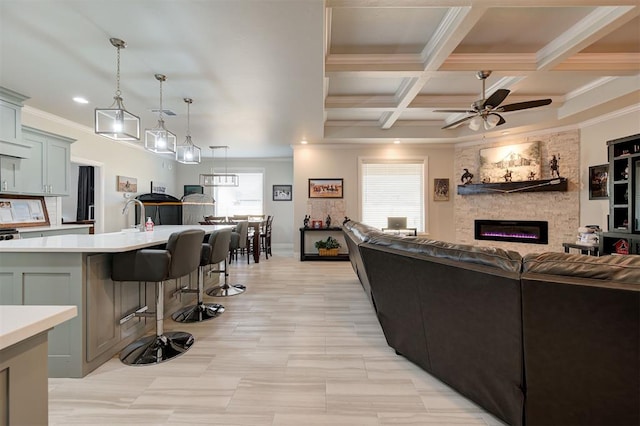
(458, 122)
(524, 105)
(455, 111)
(496, 99)
(501, 122)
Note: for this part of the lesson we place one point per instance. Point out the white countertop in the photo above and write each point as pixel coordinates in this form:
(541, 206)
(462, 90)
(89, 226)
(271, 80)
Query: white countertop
(53, 227)
(20, 322)
(114, 242)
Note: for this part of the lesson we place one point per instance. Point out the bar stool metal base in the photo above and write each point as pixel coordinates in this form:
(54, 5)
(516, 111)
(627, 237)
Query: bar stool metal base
(198, 313)
(226, 290)
(156, 349)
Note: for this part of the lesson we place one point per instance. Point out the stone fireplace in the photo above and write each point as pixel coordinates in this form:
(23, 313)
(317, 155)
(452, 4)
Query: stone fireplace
(561, 210)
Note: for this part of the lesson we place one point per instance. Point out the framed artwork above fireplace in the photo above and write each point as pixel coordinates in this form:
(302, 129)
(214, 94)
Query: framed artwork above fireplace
(519, 162)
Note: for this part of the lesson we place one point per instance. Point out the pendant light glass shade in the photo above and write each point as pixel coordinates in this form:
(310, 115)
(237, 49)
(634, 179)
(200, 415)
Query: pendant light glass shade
(159, 139)
(188, 153)
(116, 122)
(219, 179)
(491, 121)
(475, 123)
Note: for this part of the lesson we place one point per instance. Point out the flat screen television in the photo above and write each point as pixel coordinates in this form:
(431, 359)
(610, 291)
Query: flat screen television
(193, 189)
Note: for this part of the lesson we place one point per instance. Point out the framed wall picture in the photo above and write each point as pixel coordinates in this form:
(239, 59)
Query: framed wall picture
(518, 162)
(325, 188)
(127, 184)
(282, 192)
(441, 189)
(22, 210)
(158, 187)
(599, 182)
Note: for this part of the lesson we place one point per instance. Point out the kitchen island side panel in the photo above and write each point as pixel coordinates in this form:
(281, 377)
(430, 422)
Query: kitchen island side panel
(51, 279)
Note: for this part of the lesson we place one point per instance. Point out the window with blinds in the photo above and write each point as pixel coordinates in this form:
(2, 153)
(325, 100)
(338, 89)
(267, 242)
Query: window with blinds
(393, 189)
(244, 199)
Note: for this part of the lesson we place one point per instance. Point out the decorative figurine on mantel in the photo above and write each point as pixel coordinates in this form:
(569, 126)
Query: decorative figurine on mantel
(532, 175)
(507, 176)
(307, 218)
(346, 219)
(327, 221)
(555, 166)
(467, 177)
(486, 179)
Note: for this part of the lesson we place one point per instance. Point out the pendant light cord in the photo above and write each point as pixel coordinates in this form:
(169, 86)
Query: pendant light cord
(118, 73)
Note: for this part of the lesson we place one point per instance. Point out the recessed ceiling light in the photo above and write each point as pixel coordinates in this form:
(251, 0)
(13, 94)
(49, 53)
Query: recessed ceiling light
(303, 141)
(397, 142)
(506, 132)
(80, 100)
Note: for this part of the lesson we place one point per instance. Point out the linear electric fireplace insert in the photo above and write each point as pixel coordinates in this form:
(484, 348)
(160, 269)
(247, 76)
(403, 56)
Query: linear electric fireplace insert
(515, 231)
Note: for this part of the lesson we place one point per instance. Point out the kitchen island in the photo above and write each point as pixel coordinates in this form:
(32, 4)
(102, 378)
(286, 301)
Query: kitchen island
(76, 270)
(23, 361)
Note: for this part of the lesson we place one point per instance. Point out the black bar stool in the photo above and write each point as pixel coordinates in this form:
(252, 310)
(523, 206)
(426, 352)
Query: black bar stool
(225, 289)
(214, 251)
(180, 257)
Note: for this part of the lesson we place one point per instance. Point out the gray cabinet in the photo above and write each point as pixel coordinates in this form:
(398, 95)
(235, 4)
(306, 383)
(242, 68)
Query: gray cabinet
(11, 142)
(47, 171)
(9, 174)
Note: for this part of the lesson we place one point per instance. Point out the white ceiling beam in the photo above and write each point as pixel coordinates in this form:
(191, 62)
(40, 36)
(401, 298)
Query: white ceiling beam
(621, 63)
(463, 3)
(455, 25)
(593, 27)
(608, 90)
(426, 102)
(412, 66)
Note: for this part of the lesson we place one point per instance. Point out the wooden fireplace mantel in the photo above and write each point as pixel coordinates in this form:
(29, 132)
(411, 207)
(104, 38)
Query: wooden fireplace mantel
(542, 185)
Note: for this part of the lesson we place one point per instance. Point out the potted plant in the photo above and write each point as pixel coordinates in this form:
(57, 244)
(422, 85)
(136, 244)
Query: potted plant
(328, 247)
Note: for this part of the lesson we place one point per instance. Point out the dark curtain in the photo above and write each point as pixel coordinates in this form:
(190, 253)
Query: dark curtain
(85, 193)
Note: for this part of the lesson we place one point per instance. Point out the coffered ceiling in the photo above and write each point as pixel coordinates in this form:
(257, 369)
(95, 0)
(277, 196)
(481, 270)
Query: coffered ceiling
(265, 74)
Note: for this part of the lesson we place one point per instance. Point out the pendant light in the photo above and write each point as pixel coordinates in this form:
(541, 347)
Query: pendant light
(219, 179)
(116, 122)
(159, 139)
(188, 153)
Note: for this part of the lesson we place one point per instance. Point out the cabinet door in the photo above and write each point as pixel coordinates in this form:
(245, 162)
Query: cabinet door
(33, 168)
(9, 174)
(57, 167)
(636, 191)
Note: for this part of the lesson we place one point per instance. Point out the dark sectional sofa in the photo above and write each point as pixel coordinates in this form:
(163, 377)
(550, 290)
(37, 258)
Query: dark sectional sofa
(548, 339)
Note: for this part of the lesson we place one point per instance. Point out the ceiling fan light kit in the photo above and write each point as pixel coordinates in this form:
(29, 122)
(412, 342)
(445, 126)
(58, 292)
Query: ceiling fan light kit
(484, 112)
(116, 122)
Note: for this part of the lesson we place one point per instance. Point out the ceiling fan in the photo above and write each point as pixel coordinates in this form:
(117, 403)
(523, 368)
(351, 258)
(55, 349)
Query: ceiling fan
(485, 111)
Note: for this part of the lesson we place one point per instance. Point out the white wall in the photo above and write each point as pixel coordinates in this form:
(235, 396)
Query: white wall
(593, 151)
(277, 171)
(119, 158)
(334, 161)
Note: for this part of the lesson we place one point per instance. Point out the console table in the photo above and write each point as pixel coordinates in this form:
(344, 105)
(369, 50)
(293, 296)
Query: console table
(584, 249)
(304, 255)
(402, 231)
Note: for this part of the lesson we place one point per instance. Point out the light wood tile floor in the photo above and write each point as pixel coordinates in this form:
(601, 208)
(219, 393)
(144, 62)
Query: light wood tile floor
(302, 346)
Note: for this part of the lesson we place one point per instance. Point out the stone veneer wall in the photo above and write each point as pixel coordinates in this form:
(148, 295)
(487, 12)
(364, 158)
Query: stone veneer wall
(560, 209)
(319, 209)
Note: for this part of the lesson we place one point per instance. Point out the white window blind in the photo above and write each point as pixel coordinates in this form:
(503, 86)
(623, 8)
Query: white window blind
(246, 198)
(392, 189)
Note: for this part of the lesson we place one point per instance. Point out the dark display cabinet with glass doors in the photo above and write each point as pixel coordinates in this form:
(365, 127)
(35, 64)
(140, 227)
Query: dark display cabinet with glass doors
(624, 199)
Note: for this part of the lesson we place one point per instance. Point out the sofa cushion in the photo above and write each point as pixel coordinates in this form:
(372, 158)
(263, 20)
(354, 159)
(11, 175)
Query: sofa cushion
(618, 269)
(488, 256)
